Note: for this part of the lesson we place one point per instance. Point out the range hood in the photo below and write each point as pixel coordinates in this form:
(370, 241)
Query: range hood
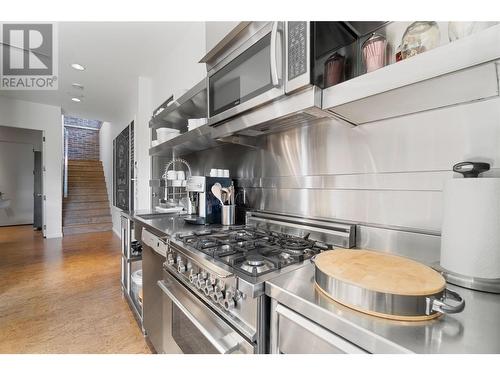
(286, 112)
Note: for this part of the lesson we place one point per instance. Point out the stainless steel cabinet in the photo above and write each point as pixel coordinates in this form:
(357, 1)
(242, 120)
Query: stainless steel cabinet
(129, 263)
(291, 333)
(153, 256)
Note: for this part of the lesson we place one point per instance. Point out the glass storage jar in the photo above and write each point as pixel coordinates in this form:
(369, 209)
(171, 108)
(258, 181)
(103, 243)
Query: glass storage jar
(374, 52)
(458, 30)
(334, 70)
(419, 37)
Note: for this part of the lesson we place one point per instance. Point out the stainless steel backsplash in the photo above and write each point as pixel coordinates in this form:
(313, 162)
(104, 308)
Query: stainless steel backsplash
(387, 176)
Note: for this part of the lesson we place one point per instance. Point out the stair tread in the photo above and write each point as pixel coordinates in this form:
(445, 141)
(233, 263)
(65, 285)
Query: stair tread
(65, 210)
(74, 221)
(71, 209)
(87, 224)
(87, 228)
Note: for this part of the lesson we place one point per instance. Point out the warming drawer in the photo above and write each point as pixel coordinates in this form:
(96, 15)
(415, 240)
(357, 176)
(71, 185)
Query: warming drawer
(298, 335)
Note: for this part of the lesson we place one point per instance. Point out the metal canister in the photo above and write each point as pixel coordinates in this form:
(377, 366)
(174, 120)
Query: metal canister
(228, 213)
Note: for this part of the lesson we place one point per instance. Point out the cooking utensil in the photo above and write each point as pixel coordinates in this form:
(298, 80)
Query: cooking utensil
(384, 285)
(217, 191)
(226, 195)
(230, 195)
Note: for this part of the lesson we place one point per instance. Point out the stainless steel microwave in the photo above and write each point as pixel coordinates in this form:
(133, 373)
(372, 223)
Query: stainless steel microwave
(267, 60)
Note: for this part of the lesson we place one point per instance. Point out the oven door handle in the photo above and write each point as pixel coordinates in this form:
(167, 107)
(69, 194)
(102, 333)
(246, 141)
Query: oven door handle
(273, 55)
(224, 345)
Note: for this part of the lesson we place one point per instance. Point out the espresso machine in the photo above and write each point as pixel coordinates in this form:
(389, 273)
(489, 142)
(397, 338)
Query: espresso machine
(207, 208)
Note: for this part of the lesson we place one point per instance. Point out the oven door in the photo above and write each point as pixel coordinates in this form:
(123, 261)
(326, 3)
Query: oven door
(194, 327)
(252, 75)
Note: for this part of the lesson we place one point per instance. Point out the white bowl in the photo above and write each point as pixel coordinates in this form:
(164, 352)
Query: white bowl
(165, 134)
(177, 182)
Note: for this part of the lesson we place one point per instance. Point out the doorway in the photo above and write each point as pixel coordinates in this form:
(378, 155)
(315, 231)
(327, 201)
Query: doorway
(21, 170)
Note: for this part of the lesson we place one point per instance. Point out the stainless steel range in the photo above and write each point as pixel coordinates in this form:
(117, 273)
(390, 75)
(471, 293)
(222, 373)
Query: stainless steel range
(214, 279)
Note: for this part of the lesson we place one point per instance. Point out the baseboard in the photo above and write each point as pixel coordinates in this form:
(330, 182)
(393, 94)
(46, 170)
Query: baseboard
(54, 235)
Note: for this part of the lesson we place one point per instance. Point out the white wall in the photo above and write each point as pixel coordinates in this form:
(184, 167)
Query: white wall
(178, 70)
(215, 31)
(32, 137)
(22, 114)
(142, 139)
(107, 133)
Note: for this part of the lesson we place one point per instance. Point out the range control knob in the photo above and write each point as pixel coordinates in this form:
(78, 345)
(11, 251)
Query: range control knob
(208, 289)
(170, 259)
(200, 282)
(229, 304)
(218, 297)
(181, 267)
(192, 277)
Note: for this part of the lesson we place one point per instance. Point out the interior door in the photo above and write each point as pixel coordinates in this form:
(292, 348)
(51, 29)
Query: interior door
(38, 191)
(16, 183)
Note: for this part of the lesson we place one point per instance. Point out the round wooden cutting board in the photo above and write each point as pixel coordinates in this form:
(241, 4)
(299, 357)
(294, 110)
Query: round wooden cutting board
(376, 272)
(381, 272)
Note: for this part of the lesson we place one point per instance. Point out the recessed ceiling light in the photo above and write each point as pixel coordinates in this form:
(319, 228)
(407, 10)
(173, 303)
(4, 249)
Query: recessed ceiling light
(77, 100)
(77, 67)
(77, 86)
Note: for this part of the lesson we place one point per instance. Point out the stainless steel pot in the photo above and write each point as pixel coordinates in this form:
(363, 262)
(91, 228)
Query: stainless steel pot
(387, 305)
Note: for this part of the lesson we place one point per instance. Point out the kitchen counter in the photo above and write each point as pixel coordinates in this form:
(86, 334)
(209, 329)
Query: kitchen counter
(165, 224)
(475, 330)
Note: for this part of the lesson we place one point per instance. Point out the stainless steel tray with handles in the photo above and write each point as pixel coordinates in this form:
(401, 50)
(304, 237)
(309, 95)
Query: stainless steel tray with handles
(388, 305)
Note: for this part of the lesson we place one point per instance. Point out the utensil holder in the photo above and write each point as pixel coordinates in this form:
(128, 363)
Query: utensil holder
(228, 213)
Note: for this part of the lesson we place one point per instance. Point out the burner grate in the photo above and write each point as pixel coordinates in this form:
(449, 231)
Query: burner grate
(251, 250)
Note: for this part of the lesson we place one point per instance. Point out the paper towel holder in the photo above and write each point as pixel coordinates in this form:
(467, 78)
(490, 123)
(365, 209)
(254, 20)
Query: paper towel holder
(471, 169)
(469, 282)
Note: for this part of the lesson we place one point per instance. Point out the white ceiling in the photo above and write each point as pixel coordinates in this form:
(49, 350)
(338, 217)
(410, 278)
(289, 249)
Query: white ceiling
(114, 55)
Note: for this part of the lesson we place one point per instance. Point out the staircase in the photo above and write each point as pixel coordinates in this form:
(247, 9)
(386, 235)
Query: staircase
(86, 209)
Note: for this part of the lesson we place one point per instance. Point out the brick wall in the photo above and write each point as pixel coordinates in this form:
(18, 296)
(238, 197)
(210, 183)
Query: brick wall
(95, 124)
(83, 144)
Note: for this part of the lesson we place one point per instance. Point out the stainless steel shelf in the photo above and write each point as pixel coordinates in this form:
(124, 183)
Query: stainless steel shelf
(137, 310)
(195, 140)
(448, 75)
(134, 258)
(193, 104)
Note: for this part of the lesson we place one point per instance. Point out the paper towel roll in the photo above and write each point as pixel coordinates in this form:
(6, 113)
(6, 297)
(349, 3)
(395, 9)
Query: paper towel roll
(470, 240)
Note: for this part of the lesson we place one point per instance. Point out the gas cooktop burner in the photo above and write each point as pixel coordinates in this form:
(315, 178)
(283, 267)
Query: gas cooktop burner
(296, 244)
(252, 250)
(256, 265)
